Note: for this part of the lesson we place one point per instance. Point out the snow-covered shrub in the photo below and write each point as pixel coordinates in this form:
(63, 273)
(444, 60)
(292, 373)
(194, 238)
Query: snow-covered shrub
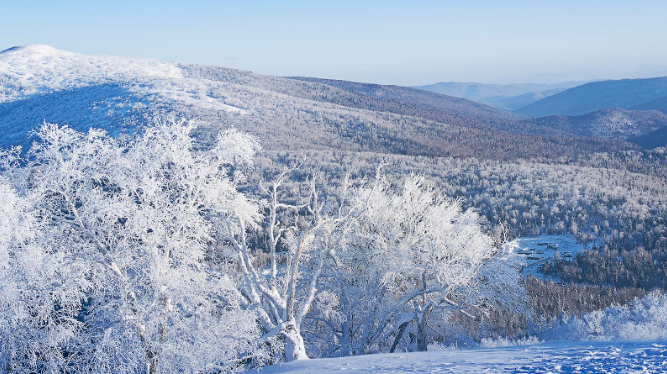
(643, 319)
(504, 342)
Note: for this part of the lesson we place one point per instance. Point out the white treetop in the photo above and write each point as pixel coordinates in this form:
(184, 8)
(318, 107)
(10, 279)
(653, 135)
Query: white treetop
(126, 225)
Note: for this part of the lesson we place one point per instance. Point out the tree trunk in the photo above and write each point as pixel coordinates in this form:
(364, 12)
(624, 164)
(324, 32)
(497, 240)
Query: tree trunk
(399, 336)
(152, 363)
(295, 349)
(346, 343)
(422, 329)
(422, 341)
(422, 314)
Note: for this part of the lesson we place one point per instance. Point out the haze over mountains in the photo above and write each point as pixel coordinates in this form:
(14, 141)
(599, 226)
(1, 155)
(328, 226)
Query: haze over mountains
(502, 96)
(628, 109)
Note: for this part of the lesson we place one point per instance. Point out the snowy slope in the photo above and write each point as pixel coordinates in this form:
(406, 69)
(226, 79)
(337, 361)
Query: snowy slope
(39, 83)
(40, 69)
(282, 112)
(607, 123)
(588, 357)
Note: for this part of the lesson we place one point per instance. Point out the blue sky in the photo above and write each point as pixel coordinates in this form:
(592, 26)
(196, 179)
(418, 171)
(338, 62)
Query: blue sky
(391, 42)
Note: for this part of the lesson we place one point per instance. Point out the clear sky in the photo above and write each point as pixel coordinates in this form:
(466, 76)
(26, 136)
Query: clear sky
(391, 42)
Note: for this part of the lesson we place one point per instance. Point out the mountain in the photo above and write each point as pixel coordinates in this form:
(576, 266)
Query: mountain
(419, 103)
(612, 123)
(624, 94)
(657, 104)
(121, 95)
(651, 140)
(462, 112)
(502, 96)
(515, 102)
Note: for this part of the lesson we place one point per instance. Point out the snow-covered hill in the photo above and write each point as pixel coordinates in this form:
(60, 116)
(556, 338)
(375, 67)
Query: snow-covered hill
(35, 69)
(582, 357)
(39, 83)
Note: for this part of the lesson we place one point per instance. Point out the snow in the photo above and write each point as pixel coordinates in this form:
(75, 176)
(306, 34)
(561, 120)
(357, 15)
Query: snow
(537, 250)
(588, 357)
(40, 69)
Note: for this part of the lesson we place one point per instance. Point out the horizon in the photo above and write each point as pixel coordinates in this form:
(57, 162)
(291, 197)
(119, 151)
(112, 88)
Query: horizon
(417, 44)
(581, 82)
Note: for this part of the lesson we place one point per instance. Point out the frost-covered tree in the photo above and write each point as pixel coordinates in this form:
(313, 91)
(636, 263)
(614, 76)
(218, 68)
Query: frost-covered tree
(283, 292)
(39, 297)
(414, 252)
(114, 257)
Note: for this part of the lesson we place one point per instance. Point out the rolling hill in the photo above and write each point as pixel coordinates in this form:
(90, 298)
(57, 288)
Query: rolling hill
(610, 123)
(420, 103)
(657, 104)
(40, 83)
(657, 138)
(624, 94)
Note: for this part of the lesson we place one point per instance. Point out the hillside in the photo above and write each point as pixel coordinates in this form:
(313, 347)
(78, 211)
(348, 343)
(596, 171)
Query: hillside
(624, 94)
(40, 83)
(607, 123)
(657, 104)
(420, 103)
(557, 181)
(502, 96)
(651, 140)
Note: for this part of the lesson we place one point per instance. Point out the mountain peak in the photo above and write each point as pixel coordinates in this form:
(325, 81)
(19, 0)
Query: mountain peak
(42, 49)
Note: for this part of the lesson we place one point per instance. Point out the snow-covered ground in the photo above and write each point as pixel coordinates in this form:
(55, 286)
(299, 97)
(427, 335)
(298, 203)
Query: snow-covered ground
(537, 250)
(38, 69)
(587, 357)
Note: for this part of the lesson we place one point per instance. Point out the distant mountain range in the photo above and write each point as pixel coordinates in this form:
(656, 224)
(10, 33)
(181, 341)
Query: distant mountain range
(502, 96)
(628, 109)
(643, 94)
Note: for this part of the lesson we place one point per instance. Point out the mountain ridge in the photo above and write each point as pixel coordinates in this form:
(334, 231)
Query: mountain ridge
(589, 97)
(501, 96)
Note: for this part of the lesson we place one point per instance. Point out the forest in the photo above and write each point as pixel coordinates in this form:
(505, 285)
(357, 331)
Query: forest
(161, 217)
(161, 252)
(119, 254)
